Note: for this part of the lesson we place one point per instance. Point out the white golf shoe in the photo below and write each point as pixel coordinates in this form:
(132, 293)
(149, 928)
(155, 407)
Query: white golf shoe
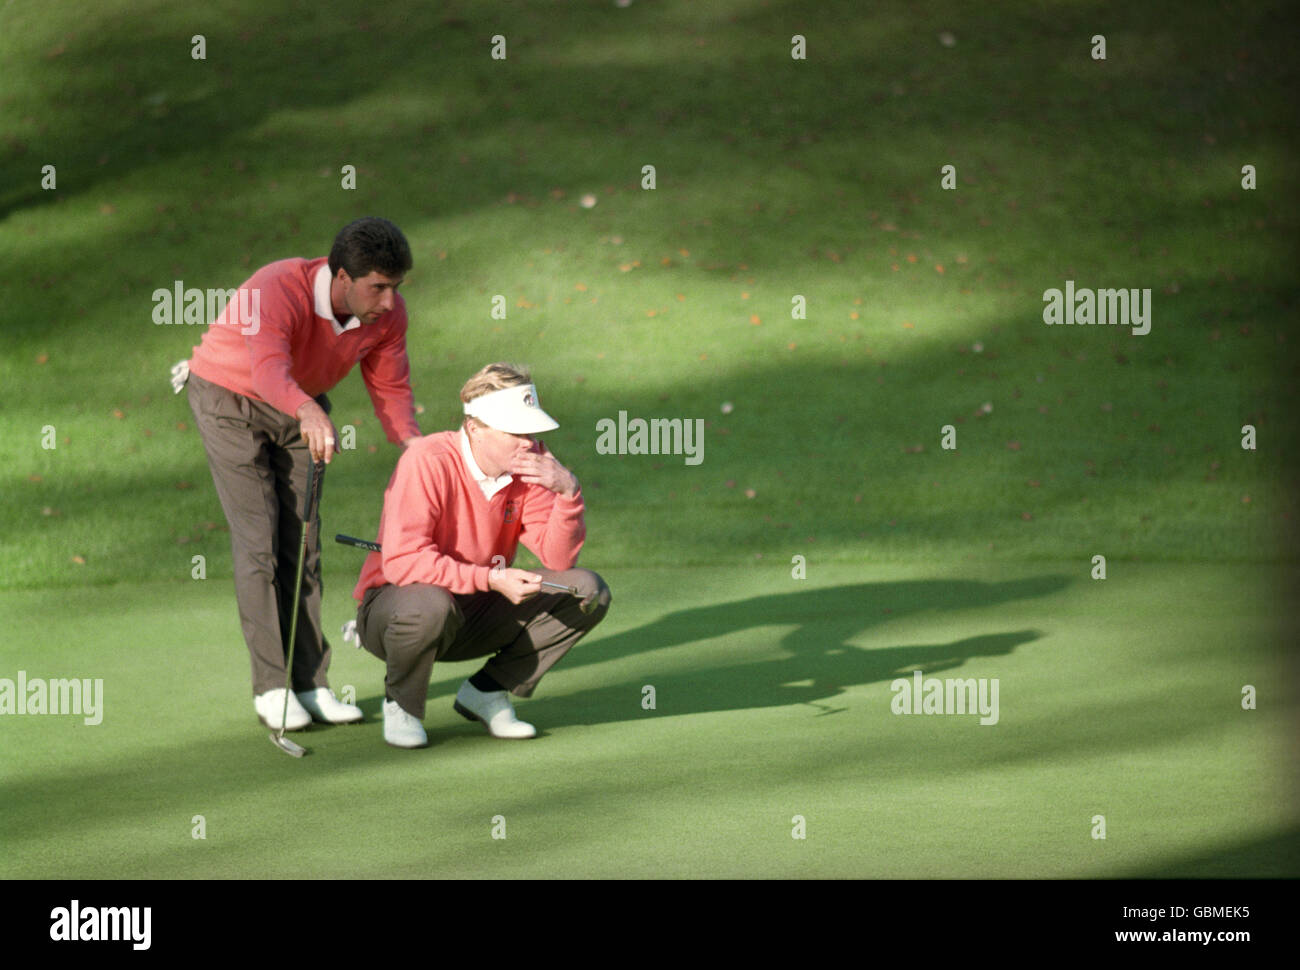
(270, 707)
(494, 709)
(402, 730)
(325, 707)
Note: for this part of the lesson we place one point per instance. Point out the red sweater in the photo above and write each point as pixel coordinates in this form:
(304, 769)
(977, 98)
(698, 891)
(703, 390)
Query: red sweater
(289, 353)
(437, 528)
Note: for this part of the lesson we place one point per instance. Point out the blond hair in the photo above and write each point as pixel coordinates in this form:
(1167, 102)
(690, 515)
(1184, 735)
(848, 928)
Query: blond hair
(493, 377)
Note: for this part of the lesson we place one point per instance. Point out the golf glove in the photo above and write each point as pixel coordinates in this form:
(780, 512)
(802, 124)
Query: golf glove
(180, 374)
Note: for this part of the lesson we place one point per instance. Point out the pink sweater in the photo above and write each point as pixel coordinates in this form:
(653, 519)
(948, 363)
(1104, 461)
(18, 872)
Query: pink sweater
(437, 528)
(289, 354)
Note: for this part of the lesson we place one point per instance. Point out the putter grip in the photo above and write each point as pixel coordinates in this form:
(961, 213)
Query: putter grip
(359, 543)
(311, 501)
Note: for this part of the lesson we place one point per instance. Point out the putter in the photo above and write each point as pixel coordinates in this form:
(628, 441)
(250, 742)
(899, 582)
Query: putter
(310, 502)
(375, 547)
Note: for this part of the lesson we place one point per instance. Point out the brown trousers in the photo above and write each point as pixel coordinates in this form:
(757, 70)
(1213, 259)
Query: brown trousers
(411, 627)
(260, 464)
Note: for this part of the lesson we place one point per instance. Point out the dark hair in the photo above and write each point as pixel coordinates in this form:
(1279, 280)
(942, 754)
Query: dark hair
(370, 244)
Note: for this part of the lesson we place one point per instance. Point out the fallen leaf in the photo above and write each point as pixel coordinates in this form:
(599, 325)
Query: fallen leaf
(79, 560)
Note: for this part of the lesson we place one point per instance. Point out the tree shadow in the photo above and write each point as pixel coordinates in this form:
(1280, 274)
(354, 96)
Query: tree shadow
(1275, 856)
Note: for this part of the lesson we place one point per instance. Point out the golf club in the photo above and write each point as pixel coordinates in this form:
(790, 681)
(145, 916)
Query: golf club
(375, 547)
(308, 516)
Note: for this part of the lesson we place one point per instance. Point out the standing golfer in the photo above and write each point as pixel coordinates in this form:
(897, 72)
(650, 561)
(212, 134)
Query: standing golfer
(457, 507)
(257, 388)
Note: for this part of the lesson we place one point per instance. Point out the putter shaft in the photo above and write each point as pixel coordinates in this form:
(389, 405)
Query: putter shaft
(571, 590)
(310, 501)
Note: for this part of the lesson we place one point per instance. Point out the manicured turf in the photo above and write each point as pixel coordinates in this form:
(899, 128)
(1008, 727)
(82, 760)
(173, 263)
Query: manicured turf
(772, 699)
(776, 178)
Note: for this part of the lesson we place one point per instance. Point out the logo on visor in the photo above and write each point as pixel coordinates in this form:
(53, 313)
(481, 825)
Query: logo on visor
(529, 400)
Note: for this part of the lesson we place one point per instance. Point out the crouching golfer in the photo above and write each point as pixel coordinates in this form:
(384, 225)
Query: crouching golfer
(456, 508)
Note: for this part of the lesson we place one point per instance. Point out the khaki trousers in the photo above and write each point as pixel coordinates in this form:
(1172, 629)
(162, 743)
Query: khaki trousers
(411, 627)
(260, 464)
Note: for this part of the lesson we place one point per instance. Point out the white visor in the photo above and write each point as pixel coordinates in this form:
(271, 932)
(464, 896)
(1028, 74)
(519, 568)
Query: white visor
(514, 410)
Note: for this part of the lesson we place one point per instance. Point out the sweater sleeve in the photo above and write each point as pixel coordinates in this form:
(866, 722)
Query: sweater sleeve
(270, 352)
(386, 371)
(413, 502)
(552, 526)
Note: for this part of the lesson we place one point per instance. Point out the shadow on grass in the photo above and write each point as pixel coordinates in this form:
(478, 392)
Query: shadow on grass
(1272, 857)
(822, 663)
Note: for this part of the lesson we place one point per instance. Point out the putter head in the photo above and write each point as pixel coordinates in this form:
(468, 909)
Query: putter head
(287, 746)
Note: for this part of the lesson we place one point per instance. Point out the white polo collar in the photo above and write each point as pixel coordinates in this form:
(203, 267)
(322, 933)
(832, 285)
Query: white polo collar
(488, 486)
(324, 306)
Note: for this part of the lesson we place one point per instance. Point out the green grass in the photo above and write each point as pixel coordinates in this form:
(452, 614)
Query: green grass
(772, 699)
(775, 178)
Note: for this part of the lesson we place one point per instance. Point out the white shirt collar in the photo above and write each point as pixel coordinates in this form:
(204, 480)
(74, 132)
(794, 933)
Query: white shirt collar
(324, 306)
(488, 486)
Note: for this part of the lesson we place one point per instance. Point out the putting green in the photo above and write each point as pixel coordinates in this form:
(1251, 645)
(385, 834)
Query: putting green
(1119, 698)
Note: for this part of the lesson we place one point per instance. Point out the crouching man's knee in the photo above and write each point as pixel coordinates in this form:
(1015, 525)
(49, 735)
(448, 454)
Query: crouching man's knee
(593, 594)
(416, 618)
